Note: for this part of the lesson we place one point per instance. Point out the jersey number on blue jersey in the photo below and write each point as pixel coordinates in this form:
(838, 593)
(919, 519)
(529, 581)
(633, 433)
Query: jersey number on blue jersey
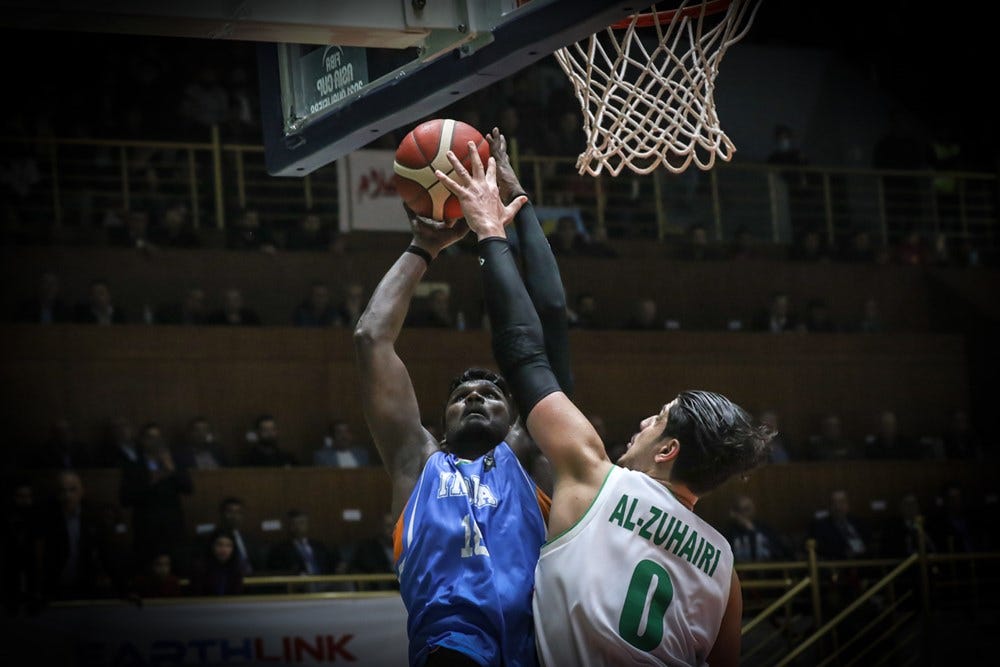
(473, 539)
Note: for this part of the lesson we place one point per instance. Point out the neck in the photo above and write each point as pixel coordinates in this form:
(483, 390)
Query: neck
(683, 494)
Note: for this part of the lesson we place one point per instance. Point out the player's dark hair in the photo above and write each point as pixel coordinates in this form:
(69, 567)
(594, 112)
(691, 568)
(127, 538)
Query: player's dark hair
(474, 374)
(718, 440)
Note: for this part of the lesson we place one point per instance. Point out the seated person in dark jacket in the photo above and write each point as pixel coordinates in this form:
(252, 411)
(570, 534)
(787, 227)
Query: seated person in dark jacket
(375, 556)
(841, 535)
(71, 544)
(216, 570)
(301, 554)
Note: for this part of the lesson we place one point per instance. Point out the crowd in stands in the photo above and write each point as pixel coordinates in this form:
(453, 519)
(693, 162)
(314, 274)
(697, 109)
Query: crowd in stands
(326, 305)
(59, 545)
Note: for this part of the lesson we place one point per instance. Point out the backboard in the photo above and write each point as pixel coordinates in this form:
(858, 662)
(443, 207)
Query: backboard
(398, 61)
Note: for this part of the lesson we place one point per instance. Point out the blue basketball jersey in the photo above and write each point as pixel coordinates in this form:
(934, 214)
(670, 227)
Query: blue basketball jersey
(467, 544)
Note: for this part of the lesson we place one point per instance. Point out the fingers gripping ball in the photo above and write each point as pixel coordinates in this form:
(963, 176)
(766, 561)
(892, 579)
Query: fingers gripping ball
(425, 149)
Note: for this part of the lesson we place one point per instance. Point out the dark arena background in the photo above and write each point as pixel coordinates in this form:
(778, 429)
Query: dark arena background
(168, 294)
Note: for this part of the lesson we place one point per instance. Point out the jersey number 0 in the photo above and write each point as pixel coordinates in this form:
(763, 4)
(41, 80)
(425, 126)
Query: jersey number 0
(641, 620)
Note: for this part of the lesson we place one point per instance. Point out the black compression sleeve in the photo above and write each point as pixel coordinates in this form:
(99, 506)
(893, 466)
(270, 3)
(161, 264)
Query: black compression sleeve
(544, 284)
(518, 345)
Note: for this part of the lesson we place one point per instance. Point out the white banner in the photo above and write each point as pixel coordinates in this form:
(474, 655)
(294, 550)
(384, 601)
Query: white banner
(229, 631)
(367, 194)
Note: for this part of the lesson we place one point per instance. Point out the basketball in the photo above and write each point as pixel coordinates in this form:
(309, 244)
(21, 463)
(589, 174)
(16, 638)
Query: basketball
(425, 149)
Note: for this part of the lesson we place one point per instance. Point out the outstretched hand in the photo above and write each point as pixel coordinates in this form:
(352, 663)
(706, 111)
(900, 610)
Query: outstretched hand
(479, 195)
(434, 236)
(506, 178)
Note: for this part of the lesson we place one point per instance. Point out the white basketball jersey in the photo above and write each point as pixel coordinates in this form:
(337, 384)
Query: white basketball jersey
(638, 580)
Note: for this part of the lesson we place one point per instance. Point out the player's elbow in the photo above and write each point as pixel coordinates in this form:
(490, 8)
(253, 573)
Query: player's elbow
(365, 336)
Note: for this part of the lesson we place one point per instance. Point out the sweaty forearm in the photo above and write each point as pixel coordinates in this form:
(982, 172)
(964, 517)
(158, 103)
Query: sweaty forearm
(544, 285)
(518, 341)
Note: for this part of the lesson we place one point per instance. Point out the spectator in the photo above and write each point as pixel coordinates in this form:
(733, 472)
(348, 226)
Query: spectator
(810, 247)
(353, 305)
(962, 442)
(860, 249)
(644, 316)
(436, 312)
(567, 240)
(696, 247)
(752, 540)
(63, 450)
(199, 448)
(339, 448)
(743, 246)
(100, 308)
(830, 444)
(585, 314)
(954, 528)
(912, 249)
(803, 194)
(19, 588)
(120, 447)
(134, 233)
(249, 232)
(264, 449)
(250, 554)
(244, 124)
(781, 449)
(153, 487)
(47, 307)
(303, 555)
(900, 535)
(818, 318)
(374, 555)
(71, 546)
(887, 443)
(175, 229)
(839, 534)
(191, 311)
(871, 318)
(778, 316)
(204, 102)
(217, 569)
(157, 579)
(312, 234)
(233, 311)
(317, 310)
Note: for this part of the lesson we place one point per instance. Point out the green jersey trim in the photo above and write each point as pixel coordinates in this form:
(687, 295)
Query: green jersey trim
(585, 515)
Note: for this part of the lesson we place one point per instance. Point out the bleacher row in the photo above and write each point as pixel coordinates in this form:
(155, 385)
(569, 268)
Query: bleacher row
(935, 355)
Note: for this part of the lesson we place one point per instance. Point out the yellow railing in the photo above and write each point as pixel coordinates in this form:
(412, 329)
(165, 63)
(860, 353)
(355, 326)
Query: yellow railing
(80, 179)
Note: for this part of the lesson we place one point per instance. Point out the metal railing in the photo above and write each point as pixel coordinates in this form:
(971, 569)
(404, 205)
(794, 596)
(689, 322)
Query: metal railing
(77, 181)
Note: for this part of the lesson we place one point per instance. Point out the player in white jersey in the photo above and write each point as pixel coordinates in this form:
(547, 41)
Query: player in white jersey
(629, 574)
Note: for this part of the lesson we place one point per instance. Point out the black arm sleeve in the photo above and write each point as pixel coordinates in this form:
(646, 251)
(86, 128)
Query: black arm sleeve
(544, 284)
(518, 344)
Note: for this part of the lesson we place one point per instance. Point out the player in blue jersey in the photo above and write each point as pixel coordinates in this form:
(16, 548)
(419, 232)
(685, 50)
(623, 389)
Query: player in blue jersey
(471, 518)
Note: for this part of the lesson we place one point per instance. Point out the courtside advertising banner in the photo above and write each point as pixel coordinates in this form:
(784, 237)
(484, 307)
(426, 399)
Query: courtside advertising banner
(367, 196)
(369, 631)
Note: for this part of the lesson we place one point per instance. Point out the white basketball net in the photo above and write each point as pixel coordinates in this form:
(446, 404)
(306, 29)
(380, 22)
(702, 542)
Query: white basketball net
(650, 104)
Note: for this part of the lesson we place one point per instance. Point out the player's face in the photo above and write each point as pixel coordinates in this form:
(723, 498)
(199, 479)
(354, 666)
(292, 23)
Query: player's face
(476, 418)
(642, 447)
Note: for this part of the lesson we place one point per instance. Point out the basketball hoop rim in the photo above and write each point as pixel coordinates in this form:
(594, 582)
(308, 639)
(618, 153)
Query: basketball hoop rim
(649, 19)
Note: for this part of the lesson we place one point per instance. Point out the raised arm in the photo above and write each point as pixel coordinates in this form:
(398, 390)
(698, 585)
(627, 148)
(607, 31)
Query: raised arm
(538, 266)
(387, 395)
(561, 431)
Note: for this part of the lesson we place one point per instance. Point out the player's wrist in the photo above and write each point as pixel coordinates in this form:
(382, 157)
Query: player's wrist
(514, 194)
(422, 250)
